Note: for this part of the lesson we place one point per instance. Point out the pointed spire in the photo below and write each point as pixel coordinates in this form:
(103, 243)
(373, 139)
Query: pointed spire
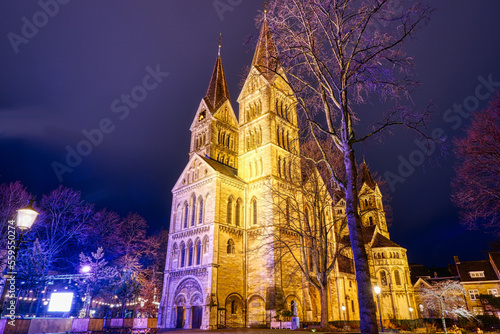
(367, 177)
(265, 58)
(217, 92)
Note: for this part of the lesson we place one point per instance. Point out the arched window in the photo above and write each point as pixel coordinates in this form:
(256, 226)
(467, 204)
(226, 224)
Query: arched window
(371, 220)
(233, 307)
(237, 213)
(205, 245)
(383, 278)
(193, 212)
(397, 278)
(186, 214)
(175, 253)
(229, 210)
(191, 251)
(183, 255)
(278, 135)
(254, 213)
(200, 217)
(366, 203)
(352, 306)
(198, 252)
(230, 246)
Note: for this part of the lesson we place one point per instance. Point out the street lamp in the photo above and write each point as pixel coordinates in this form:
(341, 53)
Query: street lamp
(376, 288)
(343, 310)
(25, 219)
(411, 312)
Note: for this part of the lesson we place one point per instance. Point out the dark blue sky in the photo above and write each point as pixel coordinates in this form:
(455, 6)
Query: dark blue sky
(71, 74)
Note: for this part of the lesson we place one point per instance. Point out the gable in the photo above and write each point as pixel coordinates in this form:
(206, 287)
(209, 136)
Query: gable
(226, 114)
(196, 169)
(202, 111)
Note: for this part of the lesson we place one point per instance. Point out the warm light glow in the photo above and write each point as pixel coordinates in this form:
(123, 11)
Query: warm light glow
(376, 288)
(343, 308)
(410, 309)
(26, 216)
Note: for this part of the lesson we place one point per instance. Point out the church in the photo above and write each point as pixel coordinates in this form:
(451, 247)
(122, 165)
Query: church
(221, 269)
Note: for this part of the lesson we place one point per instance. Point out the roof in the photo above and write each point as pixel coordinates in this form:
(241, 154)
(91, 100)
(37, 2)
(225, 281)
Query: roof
(367, 177)
(381, 241)
(217, 92)
(221, 168)
(368, 232)
(265, 58)
(495, 261)
(465, 267)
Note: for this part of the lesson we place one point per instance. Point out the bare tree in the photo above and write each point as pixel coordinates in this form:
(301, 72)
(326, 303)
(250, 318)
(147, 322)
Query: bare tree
(476, 187)
(445, 297)
(305, 235)
(336, 54)
(61, 225)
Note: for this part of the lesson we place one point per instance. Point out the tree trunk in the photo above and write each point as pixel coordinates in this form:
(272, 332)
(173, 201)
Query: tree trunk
(442, 315)
(324, 306)
(367, 310)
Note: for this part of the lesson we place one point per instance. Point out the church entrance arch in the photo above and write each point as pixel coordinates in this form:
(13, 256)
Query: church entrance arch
(180, 308)
(188, 302)
(196, 311)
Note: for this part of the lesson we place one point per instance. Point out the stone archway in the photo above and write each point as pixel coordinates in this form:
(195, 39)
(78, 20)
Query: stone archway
(180, 311)
(235, 311)
(188, 290)
(256, 311)
(196, 310)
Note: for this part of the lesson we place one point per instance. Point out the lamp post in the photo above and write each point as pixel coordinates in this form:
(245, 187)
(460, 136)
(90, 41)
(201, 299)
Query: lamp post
(376, 288)
(343, 310)
(411, 317)
(25, 219)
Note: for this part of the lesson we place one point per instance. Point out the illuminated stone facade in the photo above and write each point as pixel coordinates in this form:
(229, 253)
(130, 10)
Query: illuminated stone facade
(218, 272)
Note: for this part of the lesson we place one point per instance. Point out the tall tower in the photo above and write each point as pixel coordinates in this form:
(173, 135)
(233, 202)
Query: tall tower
(267, 116)
(268, 148)
(370, 199)
(214, 131)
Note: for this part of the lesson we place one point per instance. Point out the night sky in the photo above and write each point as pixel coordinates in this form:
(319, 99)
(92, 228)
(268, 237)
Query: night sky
(61, 81)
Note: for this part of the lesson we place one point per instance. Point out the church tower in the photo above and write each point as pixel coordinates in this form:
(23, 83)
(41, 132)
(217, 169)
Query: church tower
(370, 200)
(214, 132)
(267, 116)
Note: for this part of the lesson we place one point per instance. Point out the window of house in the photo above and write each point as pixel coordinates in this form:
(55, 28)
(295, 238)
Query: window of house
(233, 307)
(478, 311)
(493, 292)
(474, 294)
(476, 274)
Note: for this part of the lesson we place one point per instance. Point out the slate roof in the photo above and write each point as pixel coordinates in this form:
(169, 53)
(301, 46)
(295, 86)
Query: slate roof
(464, 267)
(381, 241)
(217, 92)
(495, 261)
(221, 168)
(265, 58)
(367, 177)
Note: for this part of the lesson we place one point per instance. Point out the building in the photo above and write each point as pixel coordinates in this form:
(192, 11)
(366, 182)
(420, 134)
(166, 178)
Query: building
(220, 270)
(480, 278)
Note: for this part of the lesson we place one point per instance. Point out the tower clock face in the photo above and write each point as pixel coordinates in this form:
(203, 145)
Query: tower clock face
(202, 115)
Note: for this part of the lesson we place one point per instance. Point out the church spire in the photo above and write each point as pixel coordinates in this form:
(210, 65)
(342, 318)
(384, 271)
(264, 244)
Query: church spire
(217, 92)
(265, 58)
(367, 177)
